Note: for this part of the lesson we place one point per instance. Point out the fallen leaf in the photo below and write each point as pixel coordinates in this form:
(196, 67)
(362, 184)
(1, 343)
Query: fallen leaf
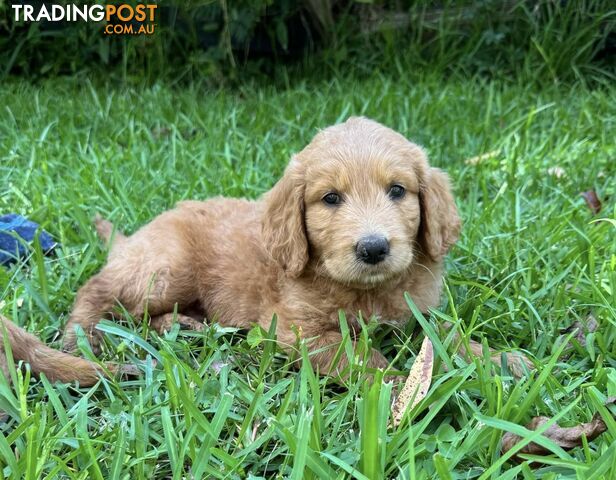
(480, 158)
(417, 383)
(592, 200)
(518, 363)
(565, 437)
(583, 328)
(129, 370)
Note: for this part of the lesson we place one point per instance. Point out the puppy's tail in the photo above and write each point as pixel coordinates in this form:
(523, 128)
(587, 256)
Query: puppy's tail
(56, 365)
(107, 233)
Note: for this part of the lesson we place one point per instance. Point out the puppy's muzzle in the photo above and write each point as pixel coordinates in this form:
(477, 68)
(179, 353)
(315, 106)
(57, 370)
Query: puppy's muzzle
(372, 249)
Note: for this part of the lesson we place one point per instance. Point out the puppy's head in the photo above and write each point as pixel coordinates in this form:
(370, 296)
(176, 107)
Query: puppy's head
(361, 203)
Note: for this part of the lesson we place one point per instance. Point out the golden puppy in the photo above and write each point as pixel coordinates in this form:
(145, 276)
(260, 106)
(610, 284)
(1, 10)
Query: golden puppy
(358, 218)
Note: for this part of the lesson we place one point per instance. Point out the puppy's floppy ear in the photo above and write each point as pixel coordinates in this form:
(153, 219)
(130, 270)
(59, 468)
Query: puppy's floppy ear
(440, 223)
(283, 228)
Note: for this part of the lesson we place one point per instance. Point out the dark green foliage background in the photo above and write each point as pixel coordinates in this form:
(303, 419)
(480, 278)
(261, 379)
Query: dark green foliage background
(225, 41)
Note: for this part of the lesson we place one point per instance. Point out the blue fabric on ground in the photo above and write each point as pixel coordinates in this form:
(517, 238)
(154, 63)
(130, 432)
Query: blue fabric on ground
(12, 248)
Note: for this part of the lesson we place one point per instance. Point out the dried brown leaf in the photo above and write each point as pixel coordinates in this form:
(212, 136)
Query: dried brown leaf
(518, 363)
(592, 200)
(583, 328)
(128, 369)
(417, 383)
(565, 437)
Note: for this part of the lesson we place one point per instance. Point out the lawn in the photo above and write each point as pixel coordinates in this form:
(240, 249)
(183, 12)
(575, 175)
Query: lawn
(532, 261)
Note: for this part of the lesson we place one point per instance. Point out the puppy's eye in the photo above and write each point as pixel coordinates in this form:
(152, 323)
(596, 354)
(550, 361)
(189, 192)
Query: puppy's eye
(396, 191)
(332, 198)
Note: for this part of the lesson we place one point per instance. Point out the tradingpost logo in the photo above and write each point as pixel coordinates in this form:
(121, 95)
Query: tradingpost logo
(120, 19)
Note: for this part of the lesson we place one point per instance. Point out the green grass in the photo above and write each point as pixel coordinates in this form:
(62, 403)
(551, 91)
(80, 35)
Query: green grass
(223, 404)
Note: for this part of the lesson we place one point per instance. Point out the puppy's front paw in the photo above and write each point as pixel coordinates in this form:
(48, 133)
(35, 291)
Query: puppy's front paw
(164, 323)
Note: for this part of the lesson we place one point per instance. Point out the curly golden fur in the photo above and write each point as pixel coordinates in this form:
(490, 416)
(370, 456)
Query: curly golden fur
(291, 253)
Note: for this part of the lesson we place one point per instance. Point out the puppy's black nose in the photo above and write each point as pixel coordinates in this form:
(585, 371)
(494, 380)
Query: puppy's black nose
(372, 249)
